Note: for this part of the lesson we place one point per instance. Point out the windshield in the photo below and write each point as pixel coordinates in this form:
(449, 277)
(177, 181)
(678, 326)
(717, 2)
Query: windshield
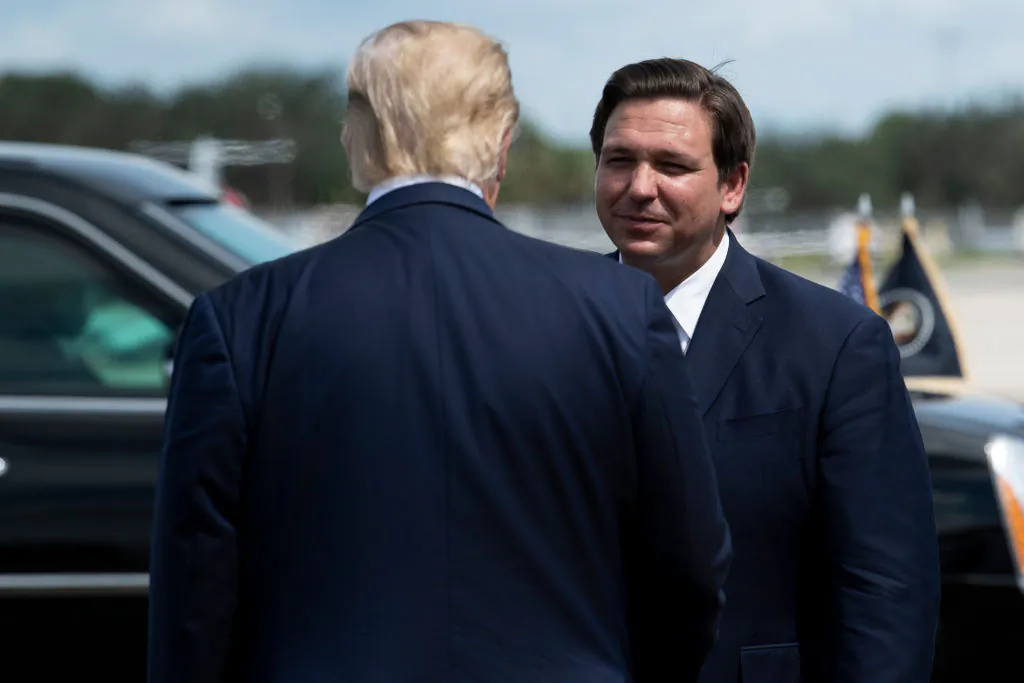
(237, 230)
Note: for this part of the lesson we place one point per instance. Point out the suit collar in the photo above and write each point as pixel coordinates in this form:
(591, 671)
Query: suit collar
(727, 324)
(424, 193)
(741, 272)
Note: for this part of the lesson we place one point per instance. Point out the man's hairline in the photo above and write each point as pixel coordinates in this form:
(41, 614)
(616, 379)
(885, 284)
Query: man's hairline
(654, 98)
(651, 98)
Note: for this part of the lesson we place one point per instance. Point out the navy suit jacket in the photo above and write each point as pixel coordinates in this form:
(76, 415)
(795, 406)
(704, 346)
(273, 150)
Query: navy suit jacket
(433, 449)
(824, 481)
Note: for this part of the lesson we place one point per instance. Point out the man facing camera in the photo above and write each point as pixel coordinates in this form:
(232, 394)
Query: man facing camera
(433, 449)
(820, 463)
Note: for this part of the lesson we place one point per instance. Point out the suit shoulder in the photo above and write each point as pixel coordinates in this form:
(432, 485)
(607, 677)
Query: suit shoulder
(280, 274)
(823, 300)
(600, 279)
(812, 311)
(589, 262)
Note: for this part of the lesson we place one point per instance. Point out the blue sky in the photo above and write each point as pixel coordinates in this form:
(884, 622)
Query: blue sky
(800, 64)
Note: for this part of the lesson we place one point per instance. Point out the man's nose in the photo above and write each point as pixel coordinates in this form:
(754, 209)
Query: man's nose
(644, 185)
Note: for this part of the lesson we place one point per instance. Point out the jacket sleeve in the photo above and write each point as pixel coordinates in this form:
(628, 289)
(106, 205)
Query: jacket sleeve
(681, 544)
(194, 554)
(878, 518)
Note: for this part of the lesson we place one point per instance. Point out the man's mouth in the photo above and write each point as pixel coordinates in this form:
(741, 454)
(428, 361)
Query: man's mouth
(641, 220)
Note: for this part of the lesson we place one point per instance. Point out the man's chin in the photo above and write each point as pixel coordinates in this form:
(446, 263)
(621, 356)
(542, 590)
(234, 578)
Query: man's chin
(641, 252)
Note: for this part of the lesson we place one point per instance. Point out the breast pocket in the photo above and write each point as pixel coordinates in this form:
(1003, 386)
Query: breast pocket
(770, 663)
(758, 426)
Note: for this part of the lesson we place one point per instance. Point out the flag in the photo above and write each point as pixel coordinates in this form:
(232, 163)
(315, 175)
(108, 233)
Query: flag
(857, 281)
(913, 300)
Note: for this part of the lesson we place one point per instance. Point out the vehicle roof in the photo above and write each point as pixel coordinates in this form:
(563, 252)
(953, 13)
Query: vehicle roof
(125, 177)
(980, 415)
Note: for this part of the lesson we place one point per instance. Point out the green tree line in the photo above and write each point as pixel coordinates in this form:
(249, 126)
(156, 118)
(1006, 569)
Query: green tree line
(944, 158)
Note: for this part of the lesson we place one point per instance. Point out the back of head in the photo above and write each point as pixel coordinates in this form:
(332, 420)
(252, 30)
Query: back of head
(428, 98)
(732, 127)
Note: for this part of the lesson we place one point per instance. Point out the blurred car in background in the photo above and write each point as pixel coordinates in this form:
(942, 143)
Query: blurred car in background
(975, 449)
(101, 254)
(230, 195)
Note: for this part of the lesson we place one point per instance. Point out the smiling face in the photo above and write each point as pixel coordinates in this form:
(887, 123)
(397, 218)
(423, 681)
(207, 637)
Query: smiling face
(657, 188)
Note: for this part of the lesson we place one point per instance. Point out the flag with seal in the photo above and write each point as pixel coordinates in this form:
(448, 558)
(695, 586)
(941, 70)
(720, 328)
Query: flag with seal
(912, 298)
(914, 301)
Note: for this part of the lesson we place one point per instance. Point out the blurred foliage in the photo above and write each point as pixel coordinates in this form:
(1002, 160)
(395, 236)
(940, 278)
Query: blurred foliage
(249, 105)
(543, 172)
(944, 158)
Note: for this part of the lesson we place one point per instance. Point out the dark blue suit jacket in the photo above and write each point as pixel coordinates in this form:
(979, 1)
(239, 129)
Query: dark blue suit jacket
(433, 449)
(824, 480)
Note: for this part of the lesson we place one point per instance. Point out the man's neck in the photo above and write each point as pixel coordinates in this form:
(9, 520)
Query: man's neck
(490, 191)
(670, 273)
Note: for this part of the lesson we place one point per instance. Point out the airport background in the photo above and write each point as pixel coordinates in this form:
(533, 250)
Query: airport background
(979, 251)
(271, 134)
(854, 100)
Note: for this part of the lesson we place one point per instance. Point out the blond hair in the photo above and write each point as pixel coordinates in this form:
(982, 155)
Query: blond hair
(428, 98)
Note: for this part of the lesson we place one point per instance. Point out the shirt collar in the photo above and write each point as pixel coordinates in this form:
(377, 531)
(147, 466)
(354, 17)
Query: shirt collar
(686, 300)
(392, 184)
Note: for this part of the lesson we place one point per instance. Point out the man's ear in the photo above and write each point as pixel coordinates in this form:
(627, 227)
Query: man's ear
(506, 142)
(735, 188)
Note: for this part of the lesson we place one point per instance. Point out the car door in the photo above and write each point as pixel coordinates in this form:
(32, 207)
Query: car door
(85, 332)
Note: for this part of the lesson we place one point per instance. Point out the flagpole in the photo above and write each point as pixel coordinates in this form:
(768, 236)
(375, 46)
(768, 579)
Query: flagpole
(864, 252)
(912, 230)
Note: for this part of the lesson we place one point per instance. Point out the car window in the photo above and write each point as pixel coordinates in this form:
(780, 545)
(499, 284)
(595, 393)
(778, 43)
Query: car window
(237, 230)
(73, 324)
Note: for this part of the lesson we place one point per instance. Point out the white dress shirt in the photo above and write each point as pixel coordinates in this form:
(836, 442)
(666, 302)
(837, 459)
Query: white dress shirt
(687, 299)
(392, 184)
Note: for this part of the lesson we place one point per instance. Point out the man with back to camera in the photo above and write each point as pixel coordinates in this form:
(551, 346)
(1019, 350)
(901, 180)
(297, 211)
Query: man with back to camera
(820, 463)
(433, 449)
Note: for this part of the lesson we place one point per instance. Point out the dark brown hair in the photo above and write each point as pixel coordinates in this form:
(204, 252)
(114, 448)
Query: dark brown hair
(733, 137)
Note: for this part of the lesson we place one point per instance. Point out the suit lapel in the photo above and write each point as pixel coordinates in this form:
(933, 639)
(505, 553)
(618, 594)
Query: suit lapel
(726, 325)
